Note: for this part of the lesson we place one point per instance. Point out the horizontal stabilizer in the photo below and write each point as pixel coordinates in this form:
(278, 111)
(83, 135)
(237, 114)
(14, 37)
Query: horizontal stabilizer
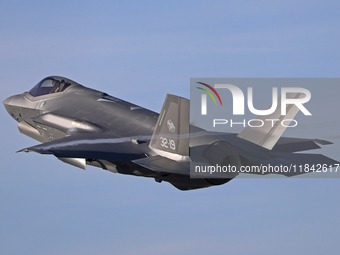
(288, 144)
(164, 165)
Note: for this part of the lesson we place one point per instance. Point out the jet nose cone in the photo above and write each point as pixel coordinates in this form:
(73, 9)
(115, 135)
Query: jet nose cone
(7, 103)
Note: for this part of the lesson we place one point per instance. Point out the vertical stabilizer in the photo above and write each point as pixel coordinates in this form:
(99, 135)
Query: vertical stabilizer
(171, 136)
(272, 129)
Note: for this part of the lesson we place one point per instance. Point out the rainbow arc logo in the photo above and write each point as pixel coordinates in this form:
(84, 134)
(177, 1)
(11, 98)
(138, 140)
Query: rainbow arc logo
(209, 93)
(204, 97)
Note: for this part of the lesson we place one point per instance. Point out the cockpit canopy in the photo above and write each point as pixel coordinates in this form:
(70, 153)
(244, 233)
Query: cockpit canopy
(50, 85)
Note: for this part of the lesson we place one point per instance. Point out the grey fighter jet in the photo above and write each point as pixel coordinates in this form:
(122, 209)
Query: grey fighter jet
(83, 126)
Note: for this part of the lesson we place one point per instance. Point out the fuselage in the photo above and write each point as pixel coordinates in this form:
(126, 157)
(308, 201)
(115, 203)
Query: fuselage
(82, 126)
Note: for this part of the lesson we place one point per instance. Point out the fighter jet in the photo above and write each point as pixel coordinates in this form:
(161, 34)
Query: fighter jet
(83, 126)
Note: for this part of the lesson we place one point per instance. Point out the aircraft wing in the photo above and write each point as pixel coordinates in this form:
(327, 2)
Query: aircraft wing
(289, 144)
(94, 146)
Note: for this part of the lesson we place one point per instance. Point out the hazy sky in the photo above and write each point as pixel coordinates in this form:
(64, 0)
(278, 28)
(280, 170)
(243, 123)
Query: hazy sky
(139, 51)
